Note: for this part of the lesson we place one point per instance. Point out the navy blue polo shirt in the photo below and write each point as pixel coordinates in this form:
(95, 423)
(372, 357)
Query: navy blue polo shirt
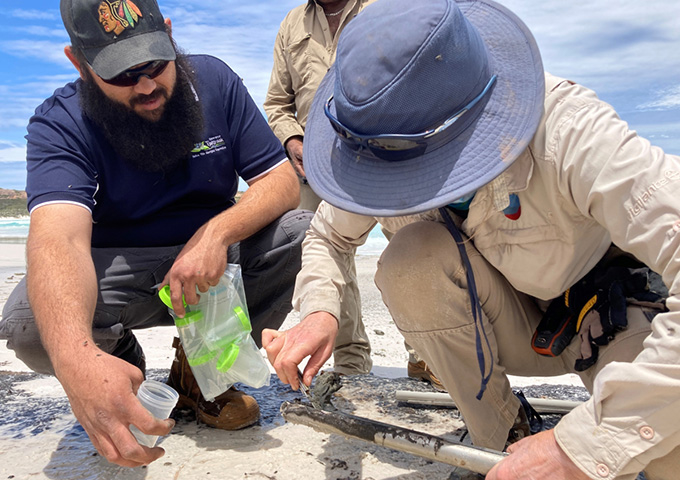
(70, 161)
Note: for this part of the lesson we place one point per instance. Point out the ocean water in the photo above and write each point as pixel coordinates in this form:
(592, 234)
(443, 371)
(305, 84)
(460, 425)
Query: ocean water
(16, 230)
(375, 243)
(13, 230)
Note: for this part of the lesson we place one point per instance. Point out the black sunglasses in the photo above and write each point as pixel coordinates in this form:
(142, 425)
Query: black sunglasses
(130, 77)
(400, 146)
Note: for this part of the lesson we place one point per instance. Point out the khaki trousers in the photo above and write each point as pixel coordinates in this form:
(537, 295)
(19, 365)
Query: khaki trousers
(352, 352)
(423, 284)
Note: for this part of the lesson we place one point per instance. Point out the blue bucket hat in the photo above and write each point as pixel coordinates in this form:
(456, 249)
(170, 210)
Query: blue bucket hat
(425, 103)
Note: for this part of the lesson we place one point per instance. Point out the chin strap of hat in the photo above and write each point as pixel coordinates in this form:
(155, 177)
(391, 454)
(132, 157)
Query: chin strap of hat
(474, 302)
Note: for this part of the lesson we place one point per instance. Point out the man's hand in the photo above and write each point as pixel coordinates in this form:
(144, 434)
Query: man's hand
(62, 289)
(537, 457)
(101, 389)
(200, 264)
(314, 336)
(294, 149)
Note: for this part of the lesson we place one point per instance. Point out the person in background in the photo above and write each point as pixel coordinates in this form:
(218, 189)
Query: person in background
(304, 51)
(528, 223)
(132, 175)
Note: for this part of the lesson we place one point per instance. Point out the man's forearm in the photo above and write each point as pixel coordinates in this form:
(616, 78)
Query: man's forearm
(203, 259)
(62, 290)
(263, 202)
(63, 304)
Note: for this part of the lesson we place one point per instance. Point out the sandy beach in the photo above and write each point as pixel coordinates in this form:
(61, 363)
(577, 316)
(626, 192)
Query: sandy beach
(40, 438)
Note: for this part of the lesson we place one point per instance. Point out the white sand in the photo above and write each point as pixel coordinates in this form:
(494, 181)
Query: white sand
(277, 450)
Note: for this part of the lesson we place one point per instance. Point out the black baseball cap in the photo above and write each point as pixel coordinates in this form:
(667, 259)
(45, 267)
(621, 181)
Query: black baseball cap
(115, 35)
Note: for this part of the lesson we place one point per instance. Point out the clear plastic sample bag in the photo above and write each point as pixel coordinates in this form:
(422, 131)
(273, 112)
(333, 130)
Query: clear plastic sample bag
(215, 335)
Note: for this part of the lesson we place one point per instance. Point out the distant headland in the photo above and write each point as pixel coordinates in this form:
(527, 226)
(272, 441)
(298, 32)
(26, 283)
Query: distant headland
(12, 203)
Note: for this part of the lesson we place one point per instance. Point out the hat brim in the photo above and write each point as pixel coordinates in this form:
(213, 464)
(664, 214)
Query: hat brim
(115, 58)
(363, 184)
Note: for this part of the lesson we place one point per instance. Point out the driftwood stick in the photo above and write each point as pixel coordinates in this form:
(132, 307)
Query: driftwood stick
(474, 459)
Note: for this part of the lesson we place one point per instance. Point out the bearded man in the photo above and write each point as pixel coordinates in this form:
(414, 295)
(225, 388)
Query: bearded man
(132, 175)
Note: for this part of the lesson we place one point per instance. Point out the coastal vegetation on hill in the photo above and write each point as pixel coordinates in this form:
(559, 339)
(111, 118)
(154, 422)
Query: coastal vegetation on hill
(12, 203)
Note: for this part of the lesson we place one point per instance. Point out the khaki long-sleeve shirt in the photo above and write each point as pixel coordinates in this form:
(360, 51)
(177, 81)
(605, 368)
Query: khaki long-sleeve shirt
(584, 182)
(303, 53)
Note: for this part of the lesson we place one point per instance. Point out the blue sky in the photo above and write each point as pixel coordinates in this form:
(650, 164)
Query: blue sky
(627, 51)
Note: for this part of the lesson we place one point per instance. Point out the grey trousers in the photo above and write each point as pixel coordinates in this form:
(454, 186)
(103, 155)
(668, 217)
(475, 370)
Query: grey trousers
(126, 301)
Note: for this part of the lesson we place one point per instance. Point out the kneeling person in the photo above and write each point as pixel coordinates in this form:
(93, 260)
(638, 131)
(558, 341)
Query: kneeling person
(505, 188)
(132, 176)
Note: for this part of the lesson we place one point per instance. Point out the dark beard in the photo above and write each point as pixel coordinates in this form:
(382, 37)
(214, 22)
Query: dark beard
(150, 146)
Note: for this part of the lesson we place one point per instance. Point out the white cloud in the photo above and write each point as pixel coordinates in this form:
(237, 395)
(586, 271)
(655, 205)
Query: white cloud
(612, 48)
(18, 101)
(43, 50)
(39, 85)
(25, 14)
(250, 60)
(13, 175)
(40, 31)
(15, 115)
(12, 152)
(626, 52)
(666, 100)
(242, 34)
(229, 12)
(45, 85)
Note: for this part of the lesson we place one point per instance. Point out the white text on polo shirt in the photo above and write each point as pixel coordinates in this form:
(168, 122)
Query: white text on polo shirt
(206, 147)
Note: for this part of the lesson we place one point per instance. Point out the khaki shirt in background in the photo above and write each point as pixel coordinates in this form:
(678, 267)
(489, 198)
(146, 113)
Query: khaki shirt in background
(303, 53)
(585, 181)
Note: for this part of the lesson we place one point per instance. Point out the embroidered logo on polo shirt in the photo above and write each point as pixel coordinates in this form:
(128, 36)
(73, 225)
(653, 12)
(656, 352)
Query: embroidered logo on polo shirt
(514, 210)
(117, 15)
(209, 146)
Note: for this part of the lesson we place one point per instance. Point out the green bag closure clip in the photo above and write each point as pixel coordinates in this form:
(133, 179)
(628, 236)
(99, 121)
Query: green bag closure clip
(228, 357)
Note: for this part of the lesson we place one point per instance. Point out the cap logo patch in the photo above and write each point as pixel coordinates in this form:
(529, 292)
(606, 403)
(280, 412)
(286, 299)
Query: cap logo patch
(118, 15)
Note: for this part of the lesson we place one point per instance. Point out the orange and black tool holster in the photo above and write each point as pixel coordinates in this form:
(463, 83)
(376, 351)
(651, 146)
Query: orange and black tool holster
(556, 329)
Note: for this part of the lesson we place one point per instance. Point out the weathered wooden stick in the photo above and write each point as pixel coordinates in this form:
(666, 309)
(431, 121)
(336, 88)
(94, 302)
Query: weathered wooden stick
(474, 459)
(542, 405)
